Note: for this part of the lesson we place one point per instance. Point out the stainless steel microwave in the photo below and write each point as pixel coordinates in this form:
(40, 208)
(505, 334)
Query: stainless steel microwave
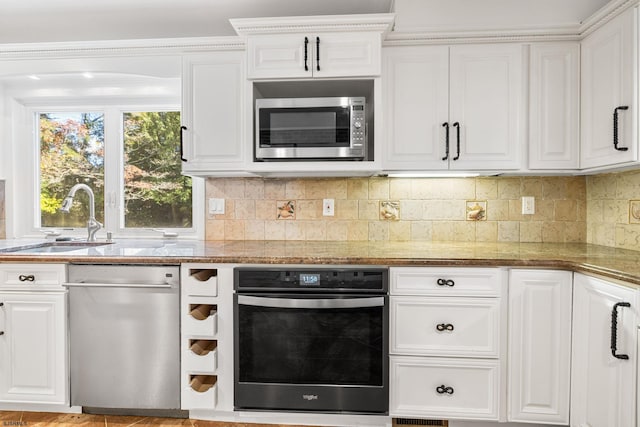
(332, 128)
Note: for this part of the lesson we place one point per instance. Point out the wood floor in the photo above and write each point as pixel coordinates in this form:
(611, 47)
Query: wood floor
(39, 419)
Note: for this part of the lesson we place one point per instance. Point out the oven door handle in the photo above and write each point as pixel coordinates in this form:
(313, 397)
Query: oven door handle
(320, 303)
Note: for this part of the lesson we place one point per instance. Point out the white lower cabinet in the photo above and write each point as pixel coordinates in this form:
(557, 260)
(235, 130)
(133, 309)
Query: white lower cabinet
(33, 347)
(446, 343)
(539, 350)
(604, 358)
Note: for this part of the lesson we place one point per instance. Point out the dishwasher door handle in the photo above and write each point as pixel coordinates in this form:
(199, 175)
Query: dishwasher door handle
(118, 285)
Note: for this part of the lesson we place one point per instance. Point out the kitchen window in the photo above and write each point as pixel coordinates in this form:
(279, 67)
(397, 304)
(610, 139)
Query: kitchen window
(128, 156)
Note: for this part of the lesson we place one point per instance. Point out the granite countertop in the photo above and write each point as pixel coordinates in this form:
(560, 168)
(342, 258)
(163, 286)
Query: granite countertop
(614, 263)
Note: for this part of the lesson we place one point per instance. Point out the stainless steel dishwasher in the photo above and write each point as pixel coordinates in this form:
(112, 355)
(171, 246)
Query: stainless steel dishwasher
(124, 338)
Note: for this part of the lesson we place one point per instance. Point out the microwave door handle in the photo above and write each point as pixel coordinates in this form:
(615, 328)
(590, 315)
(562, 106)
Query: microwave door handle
(320, 303)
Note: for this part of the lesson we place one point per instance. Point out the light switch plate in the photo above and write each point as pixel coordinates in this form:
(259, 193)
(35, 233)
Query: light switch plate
(216, 206)
(328, 207)
(528, 205)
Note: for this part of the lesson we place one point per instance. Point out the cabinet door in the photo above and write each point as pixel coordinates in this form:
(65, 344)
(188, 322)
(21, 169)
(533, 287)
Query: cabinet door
(346, 54)
(486, 100)
(314, 55)
(416, 105)
(280, 56)
(609, 70)
(554, 106)
(539, 346)
(603, 387)
(33, 348)
(212, 112)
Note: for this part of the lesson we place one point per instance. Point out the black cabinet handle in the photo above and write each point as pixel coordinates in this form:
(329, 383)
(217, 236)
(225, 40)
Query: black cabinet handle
(306, 53)
(446, 140)
(446, 282)
(614, 330)
(615, 128)
(28, 278)
(457, 126)
(182, 129)
(442, 389)
(1, 332)
(317, 53)
(444, 327)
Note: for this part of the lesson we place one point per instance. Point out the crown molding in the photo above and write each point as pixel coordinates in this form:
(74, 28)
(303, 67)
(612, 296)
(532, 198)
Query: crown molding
(604, 15)
(557, 33)
(377, 22)
(119, 47)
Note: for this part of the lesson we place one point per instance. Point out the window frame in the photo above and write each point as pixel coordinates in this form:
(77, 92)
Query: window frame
(29, 202)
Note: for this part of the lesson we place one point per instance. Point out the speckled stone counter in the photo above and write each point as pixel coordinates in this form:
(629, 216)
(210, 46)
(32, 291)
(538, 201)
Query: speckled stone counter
(614, 263)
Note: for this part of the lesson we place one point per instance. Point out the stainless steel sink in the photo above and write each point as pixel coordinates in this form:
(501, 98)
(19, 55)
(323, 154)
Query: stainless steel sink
(52, 247)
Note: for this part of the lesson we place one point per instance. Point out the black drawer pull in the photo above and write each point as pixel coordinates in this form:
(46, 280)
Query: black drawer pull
(444, 327)
(615, 128)
(28, 278)
(1, 332)
(445, 125)
(614, 331)
(442, 389)
(446, 282)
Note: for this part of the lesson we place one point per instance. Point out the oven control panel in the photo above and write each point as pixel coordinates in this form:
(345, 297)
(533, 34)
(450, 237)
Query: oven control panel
(348, 279)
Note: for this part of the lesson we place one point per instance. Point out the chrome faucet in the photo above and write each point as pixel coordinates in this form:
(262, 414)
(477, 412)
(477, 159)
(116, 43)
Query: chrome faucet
(92, 225)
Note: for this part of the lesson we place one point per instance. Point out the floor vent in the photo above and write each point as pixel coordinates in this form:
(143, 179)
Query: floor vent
(418, 422)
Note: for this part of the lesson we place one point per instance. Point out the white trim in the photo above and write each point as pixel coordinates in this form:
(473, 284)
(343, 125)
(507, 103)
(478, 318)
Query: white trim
(380, 22)
(105, 48)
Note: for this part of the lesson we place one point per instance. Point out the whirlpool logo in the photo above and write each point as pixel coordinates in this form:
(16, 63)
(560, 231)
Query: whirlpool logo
(310, 397)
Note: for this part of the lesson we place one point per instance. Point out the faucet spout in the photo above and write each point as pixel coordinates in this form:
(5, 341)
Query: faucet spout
(92, 224)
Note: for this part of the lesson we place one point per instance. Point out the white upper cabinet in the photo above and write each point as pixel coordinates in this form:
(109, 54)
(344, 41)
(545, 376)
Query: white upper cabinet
(212, 113)
(314, 46)
(610, 91)
(554, 106)
(313, 55)
(458, 107)
(603, 366)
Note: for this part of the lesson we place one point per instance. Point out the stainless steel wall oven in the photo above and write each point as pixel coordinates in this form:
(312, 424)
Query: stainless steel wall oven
(311, 339)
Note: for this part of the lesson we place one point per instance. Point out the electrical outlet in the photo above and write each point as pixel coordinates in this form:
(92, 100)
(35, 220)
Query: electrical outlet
(327, 207)
(216, 206)
(528, 205)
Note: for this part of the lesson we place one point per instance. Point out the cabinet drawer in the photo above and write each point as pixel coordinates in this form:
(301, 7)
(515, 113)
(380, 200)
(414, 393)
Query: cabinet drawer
(25, 276)
(444, 388)
(445, 326)
(199, 280)
(484, 282)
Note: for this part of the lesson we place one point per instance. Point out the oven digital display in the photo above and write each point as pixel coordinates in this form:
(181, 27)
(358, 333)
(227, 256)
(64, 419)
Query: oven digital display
(309, 279)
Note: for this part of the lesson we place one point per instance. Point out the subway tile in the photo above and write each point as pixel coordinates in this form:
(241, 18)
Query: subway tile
(553, 232)
(554, 187)
(486, 231)
(294, 230)
(368, 209)
(337, 230)
(346, 209)
(399, 188)
(357, 188)
(411, 210)
(443, 231)
(309, 209)
(464, 231)
(531, 187)
(337, 189)
(358, 230)
(378, 188)
(254, 230)
(509, 231)
(316, 188)
(531, 231)
(274, 189)
(400, 230)
(509, 188)
(275, 230)
(422, 230)
(486, 188)
(378, 230)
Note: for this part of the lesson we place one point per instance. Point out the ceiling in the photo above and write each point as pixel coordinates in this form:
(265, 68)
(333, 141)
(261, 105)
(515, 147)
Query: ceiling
(29, 21)
(74, 20)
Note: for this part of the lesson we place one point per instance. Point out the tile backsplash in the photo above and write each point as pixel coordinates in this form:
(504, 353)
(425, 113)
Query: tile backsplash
(3, 233)
(610, 220)
(484, 209)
